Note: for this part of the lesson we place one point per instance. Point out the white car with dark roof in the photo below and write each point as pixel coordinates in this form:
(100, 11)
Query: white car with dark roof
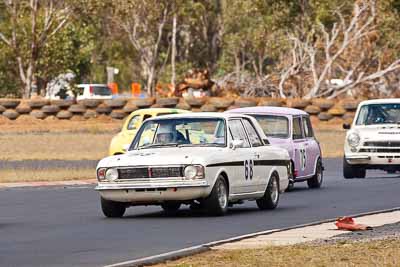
(373, 139)
(206, 160)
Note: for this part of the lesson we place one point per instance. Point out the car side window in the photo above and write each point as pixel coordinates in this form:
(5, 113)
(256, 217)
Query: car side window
(134, 122)
(297, 129)
(238, 133)
(252, 133)
(308, 131)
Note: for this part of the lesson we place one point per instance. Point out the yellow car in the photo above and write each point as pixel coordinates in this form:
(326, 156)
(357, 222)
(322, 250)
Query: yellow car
(132, 124)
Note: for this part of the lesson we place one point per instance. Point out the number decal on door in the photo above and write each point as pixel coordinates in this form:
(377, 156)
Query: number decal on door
(303, 158)
(248, 169)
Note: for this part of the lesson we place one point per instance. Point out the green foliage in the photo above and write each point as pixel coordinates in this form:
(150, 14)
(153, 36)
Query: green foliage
(222, 35)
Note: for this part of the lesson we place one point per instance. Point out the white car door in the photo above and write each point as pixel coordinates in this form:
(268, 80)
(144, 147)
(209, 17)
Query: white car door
(261, 167)
(242, 159)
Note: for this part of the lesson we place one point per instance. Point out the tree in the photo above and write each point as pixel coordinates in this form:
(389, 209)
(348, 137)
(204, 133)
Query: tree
(31, 25)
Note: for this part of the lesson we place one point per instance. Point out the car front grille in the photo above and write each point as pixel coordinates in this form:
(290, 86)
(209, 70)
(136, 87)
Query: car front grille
(382, 143)
(149, 172)
(380, 150)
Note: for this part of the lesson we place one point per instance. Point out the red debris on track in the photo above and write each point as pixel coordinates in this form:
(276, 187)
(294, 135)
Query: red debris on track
(348, 223)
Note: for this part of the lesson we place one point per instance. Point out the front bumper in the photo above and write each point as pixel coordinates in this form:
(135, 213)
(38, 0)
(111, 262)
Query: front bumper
(154, 192)
(373, 159)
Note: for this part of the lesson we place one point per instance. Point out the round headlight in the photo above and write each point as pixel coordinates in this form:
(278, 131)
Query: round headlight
(190, 172)
(353, 139)
(112, 174)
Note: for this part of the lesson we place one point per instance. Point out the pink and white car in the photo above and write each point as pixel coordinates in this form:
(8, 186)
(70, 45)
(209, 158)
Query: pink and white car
(291, 129)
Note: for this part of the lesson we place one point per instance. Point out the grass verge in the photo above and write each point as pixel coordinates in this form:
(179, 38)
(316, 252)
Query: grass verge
(62, 146)
(94, 146)
(371, 253)
(50, 175)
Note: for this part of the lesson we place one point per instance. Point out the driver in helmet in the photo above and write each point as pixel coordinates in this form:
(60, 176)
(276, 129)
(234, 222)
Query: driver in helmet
(167, 133)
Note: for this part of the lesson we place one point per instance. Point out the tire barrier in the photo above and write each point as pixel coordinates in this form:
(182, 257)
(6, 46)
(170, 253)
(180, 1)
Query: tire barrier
(77, 109)
(320, 109)
(62, 104)
(38, 103)
(142, 102)
(10, 114)
(220, 102)
(244, 103)
(169, 102)
(9, 103)
(50, 109)
(90, 103)
(38, 114)
(23, 108)
(195, 102)
(115, 103)
(103, 109)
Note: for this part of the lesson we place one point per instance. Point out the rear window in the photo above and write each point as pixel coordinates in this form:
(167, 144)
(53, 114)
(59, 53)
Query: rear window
(273, 126)
(101, 90)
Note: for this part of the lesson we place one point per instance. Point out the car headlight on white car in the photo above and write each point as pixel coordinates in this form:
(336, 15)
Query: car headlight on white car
(111, 174)
(194, 172)
(353, 139)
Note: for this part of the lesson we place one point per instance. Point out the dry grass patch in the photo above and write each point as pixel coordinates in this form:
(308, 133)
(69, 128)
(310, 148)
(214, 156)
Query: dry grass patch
(51, 175)
(63, 146)
(332, 142)
(373, 253)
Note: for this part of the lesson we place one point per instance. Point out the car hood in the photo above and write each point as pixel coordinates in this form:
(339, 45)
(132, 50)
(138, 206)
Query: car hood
(162, 156)
(379, 132)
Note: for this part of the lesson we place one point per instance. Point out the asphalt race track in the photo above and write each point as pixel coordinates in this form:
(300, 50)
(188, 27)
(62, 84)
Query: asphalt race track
(65, 226)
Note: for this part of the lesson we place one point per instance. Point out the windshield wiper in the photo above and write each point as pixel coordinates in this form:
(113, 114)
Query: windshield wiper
(209, 144)
(158, 145)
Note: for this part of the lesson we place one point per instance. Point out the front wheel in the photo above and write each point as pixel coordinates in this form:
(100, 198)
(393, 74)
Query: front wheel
(170, 207)
(350, 172)
(217, 202)
(271, 196)
(112, 209)
(316, 180)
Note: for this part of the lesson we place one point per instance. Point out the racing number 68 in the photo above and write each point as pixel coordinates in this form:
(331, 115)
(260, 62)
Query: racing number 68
(248, 169)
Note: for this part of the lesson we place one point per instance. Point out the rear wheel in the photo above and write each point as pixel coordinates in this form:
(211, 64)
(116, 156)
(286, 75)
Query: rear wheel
(217, 202)
(271, 196)
(170, 207)
(350, 172)
(112, 209)
(316, 180)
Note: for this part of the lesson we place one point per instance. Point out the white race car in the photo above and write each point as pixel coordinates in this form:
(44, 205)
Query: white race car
(373, 140)
(206, 160)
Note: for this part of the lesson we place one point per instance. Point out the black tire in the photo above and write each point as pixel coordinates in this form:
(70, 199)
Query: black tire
(316, 180)
(171, 208)
(290, 187)
(291, 184)
(350, 172)
(214, 203)
(269, 201)
(112, 209)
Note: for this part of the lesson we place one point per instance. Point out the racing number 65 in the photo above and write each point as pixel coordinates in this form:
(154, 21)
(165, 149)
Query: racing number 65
(248, 169)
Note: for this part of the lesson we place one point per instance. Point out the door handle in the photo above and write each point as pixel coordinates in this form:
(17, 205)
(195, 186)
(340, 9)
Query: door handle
(257, 155)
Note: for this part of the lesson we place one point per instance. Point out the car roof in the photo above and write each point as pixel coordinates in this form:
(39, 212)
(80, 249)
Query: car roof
(217, 115)
(381, 101)
(92, 84)
(154, 110)
(269, 110)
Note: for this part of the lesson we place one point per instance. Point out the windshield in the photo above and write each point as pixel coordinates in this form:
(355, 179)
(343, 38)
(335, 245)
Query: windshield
(378, 114)
(273, 126)
(181, 132)
(101, 90)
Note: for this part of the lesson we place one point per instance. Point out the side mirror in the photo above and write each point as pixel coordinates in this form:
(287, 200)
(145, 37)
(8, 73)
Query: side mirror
(266, 141)
(346, 126)
(125, 147)
(236, 143)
